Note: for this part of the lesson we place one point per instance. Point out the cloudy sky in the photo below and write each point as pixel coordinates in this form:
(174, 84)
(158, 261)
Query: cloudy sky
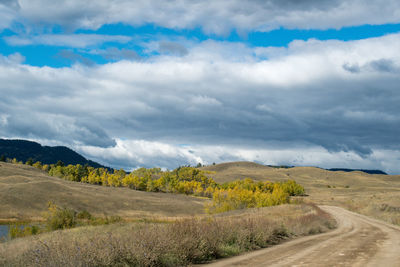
(165, 83)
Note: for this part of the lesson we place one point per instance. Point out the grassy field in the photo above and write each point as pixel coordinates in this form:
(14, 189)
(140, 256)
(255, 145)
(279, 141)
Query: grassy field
(26, 191)
(180, 233)
(373, 195)
(179, 243)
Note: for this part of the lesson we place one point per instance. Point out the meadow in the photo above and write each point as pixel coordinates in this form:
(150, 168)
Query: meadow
(179, 243)
(182, 221)
(25, 192)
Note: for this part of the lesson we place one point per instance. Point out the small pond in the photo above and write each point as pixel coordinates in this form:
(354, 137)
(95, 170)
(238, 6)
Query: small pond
(4, 232)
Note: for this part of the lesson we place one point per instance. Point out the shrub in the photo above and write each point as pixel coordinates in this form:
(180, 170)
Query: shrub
(84, 215)
(60, 218)
(21, 231)
(38, 165)
(29, 162)
(293, 189)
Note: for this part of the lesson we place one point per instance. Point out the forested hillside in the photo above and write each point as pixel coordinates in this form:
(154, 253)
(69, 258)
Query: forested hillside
(24, 150)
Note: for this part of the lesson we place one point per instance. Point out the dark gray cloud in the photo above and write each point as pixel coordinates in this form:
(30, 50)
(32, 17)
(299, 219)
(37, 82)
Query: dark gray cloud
(111, 54)
(74, 57)
(10, 3)
(78, 40)
(379, 65)
(384, 65)
(172, 48)
(300, 4)
(57, 128)
(351, 68)
(214, 16)
(118, 54)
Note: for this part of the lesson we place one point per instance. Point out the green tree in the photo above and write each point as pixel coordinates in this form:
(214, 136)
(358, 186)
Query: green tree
(2, 158)
(29, 162)
(60, 218)
(60, 163)
(38, 165)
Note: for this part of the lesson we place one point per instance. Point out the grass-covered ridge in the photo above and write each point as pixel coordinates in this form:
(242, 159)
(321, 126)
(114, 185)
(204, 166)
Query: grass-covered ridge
(238, 194)
(25, 192)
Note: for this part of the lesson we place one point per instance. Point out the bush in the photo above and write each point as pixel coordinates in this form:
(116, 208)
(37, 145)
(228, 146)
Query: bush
(38, 165)
(84, 215)
(29, 162)
(293, 189)
(60, 218)
(21, 231)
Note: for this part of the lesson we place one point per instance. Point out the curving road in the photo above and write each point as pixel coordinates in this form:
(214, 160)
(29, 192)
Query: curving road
(358, 241)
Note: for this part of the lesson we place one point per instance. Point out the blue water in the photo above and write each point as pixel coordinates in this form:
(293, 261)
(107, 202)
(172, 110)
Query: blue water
(4, 232)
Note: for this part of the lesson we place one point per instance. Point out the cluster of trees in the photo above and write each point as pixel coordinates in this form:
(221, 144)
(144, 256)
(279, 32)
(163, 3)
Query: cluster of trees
(14, 160)
(183, 180)
(247, 193)
(240, 198)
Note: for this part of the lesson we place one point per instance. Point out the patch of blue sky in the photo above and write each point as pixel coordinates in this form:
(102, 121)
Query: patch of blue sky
(282, 37)
(55, 56)
(279, 37)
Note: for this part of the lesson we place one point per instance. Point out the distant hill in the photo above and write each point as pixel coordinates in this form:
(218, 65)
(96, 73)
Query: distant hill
(336, 169)
(22, 150)
(324, 185)
(360, 170)
(253, 165)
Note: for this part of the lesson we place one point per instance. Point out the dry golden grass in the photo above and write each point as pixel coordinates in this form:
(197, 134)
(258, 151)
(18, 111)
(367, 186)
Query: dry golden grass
(373, 195)
(25, 192)
(183, 242)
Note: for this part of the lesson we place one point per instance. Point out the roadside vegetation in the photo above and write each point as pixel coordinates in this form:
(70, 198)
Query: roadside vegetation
(180, 243)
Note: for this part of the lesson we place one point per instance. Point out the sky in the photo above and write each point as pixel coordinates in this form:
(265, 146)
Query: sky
(167, 83)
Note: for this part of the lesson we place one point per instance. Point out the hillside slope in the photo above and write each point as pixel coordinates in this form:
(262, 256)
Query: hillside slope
(25, 192)
(23, 150)
(311, 177)
(374, 195)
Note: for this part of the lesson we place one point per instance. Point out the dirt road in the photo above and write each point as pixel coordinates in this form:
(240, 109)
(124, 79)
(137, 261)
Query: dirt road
(358, 241)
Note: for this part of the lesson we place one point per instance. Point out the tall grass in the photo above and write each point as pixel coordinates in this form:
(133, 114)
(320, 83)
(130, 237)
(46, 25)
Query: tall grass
(179, 243)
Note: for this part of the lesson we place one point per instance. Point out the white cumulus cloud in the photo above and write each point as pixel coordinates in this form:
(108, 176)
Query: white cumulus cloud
(154, 111)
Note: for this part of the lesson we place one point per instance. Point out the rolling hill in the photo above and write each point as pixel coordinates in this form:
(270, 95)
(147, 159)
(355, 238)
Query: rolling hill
(23, 150)
(25, 192)
(376, 195)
